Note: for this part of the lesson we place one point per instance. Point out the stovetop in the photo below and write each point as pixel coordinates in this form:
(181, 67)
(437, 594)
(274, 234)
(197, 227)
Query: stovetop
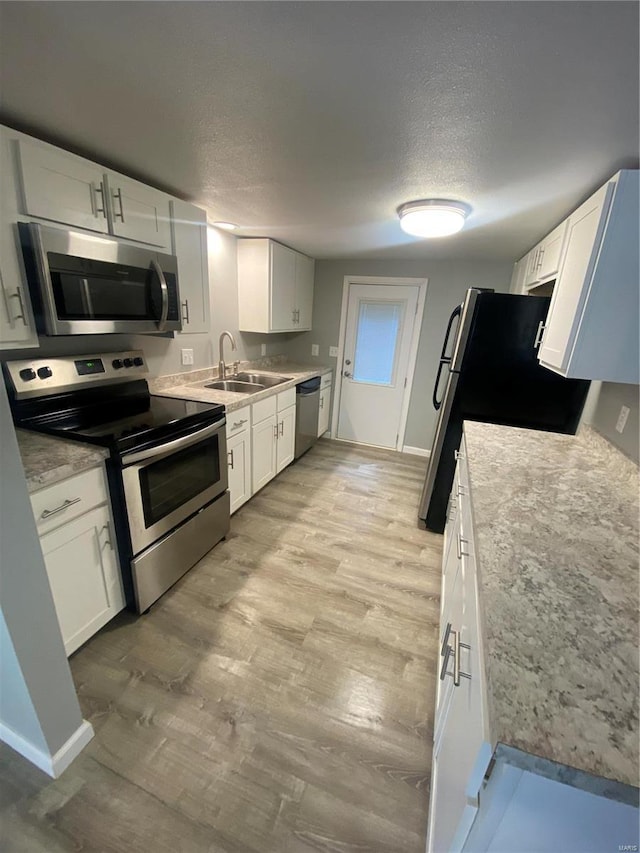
(109, 409)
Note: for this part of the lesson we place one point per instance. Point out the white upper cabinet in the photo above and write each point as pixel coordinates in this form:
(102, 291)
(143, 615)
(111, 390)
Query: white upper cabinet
(65, 188)
(275, 287)
(518, 276)
(544, 259)
(17, 327)
(189, 245)
(592, 328)
(62, 187)
(138, 212)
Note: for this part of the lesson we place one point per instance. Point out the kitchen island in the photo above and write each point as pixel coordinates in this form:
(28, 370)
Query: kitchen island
(540, 580)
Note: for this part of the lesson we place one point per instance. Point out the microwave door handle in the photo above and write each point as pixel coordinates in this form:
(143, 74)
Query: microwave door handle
(164, 313)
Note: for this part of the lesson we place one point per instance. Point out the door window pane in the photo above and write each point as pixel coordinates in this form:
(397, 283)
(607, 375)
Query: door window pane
(377, 341)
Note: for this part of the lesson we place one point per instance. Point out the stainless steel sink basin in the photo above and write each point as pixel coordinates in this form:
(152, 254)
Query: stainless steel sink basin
(238, 387)
(265, 379)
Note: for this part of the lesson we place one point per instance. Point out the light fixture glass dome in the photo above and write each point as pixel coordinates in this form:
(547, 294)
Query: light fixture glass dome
(226, 226)
(432, 218)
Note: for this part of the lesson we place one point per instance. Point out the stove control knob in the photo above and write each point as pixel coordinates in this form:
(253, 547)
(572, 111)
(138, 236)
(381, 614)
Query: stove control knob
(128, 362)
(27, 373)
(116, 363)
(138, 361)
(45, 372)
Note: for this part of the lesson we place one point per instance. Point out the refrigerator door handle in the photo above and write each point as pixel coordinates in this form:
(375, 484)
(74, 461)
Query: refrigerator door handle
(444, 359)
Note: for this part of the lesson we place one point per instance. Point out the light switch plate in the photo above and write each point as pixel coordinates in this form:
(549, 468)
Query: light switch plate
(187, 356)
(315, 349)
(622, 419)
(333, 352)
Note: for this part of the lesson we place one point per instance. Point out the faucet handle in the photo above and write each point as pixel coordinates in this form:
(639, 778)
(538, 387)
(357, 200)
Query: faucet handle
(236, 367)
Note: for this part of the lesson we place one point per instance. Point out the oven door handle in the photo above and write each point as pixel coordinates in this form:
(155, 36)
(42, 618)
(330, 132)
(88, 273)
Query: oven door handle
(169, 447)
(164, 313)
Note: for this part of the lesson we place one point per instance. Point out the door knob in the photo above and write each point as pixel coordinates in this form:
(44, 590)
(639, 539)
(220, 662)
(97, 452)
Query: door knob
(347, 374)
(347, 361)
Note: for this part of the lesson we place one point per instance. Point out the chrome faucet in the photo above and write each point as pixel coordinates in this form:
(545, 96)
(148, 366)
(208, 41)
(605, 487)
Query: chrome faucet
(222, 370)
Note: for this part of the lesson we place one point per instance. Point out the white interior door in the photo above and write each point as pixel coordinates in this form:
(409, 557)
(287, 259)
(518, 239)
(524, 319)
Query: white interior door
(377, 346)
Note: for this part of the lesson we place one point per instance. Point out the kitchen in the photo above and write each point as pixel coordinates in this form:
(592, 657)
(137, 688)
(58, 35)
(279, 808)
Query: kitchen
(179, 645)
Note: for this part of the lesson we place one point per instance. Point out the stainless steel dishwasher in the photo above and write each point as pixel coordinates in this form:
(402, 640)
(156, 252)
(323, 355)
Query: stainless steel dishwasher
(307, 408)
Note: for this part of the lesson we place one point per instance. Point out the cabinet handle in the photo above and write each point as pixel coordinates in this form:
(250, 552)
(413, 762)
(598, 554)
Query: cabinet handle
(47, 513)
(118, 195)
(540, 257)
(185, 312)
(237, 424)
(539, 334)
(293, 315)
(453, 506)
(22, 315)
(458, 455)
(281, 428)
(445, 663)
(457, 673)
(108, 541)
(460, 493)
(460, 552)
(445, 641)
(230, 455)
(322, 402)
(98, 211)
(275, 431)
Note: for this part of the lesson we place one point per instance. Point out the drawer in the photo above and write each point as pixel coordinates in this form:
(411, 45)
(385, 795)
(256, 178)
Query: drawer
(238, 421)
(263, 409)
(326, 381)
(286, 398)
(57, 504)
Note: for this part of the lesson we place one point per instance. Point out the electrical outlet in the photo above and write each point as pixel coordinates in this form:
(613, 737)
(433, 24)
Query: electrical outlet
(315, 349)
(263, 349)
(187, 356)
(333, 352)
(622, 419)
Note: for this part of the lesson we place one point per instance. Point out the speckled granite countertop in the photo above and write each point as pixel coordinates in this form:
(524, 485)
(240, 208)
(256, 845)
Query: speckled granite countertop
(190, 386)
(47, 460)
(556, 526)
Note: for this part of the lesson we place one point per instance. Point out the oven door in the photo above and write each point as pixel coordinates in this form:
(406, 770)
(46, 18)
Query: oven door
(82, 284)
(165, 485)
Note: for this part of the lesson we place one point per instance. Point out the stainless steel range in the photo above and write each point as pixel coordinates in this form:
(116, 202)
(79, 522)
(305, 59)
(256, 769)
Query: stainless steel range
(167, 465)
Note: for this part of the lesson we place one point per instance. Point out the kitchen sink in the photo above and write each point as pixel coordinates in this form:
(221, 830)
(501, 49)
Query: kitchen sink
(238, 387)
(266, 380)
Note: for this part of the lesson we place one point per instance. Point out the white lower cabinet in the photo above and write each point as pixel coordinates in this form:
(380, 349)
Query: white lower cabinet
(77, 540)
(272, 436)
(239, 456)
(286, 437)
(263, 451)
(481, 799)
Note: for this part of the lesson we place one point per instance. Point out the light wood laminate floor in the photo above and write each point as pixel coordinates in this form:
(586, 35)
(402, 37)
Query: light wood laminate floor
(279, 699)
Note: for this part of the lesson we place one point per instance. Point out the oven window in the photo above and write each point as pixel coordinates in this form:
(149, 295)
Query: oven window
(169, 483)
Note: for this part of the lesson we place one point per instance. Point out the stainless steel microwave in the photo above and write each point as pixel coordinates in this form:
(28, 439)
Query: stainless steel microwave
(81, 284)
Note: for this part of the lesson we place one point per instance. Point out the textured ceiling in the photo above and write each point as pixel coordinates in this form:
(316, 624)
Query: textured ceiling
(311, 122)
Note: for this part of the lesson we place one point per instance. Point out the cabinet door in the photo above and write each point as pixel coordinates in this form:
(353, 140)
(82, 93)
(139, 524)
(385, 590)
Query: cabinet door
(239, 460)
(263, 452)
(584, 230)
(518, 276)
(139, 212)
(283, 288)
(304, 292)
(62, 187)
(286, 437)
(189, 245)
(531, 274)
(84, 576)
(551, 252)
(324, 410)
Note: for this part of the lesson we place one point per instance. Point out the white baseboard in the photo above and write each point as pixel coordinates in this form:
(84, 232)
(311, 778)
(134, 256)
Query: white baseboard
(416, 451)
(53, 765)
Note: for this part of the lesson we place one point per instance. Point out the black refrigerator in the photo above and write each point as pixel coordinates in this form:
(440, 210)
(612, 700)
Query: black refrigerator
(489, 372)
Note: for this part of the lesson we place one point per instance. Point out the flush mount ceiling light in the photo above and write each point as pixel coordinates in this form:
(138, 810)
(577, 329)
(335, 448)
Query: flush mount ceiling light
(432, 217)
(226, 226)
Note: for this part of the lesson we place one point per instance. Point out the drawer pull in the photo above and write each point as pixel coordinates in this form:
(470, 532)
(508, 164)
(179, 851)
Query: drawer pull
(238, 424)
(459, 540)
(457, 645)
(47, 513)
